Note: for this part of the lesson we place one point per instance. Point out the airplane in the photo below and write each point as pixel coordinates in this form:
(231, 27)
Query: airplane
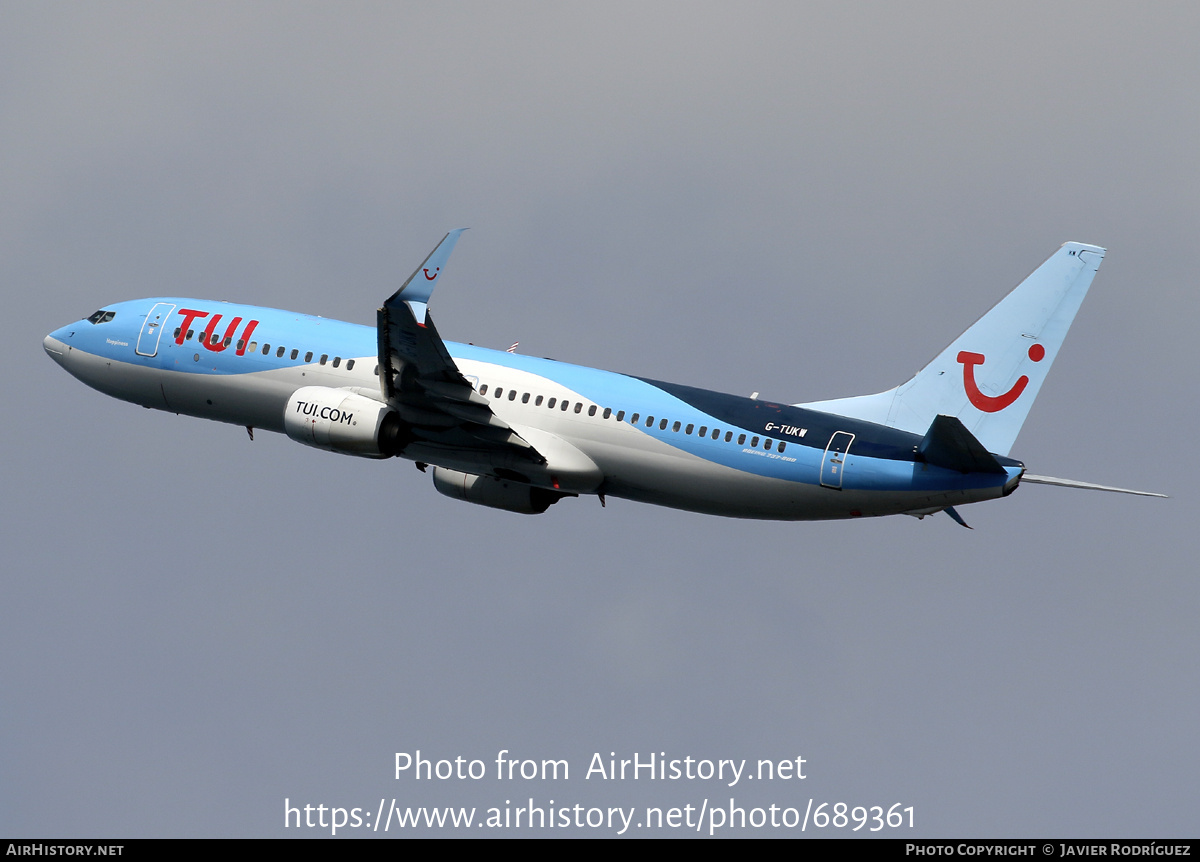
(520, 433)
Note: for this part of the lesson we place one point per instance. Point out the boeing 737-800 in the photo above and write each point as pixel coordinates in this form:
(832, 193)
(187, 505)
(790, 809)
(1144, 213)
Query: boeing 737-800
(520, 433)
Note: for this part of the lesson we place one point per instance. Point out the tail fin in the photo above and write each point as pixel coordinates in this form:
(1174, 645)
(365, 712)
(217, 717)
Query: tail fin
(990, 375)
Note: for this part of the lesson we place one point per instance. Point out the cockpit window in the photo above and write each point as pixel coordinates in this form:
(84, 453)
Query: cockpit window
(102, 316)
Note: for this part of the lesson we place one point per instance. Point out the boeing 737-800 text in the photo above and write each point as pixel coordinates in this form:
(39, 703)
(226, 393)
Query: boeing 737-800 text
(520, 433)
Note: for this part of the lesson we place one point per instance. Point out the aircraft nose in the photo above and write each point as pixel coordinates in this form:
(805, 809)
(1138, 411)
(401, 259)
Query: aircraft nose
(55, 346)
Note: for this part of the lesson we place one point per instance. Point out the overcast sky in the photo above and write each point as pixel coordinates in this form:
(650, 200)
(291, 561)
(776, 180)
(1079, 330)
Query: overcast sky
(806, 200)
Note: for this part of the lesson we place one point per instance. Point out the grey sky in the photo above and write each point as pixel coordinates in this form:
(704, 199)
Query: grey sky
(808, 201)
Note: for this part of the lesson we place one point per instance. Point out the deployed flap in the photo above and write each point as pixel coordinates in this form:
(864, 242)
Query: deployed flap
(418, 377)
(949, 444)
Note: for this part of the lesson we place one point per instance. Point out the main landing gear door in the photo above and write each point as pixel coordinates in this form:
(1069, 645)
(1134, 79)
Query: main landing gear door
(835, 459)
(152, 329)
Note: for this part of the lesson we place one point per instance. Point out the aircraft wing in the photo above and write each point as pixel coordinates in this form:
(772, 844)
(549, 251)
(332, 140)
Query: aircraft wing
(418, 377)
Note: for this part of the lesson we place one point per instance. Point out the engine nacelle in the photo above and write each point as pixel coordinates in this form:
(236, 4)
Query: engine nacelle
(497, 493)
(341, 421)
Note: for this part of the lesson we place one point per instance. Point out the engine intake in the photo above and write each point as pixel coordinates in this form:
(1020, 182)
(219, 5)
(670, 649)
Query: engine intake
(340, 421)
(497, 493)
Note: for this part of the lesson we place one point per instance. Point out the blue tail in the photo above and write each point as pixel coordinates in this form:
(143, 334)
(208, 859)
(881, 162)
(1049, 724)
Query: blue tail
(989, 377)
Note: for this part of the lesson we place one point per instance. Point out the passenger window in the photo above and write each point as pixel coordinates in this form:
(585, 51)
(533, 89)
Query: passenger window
(649, 421)
(191, 332)
(620, 415)
(512, 395)
(324, 357)
(607, 412)
(662, 425)
(376, 369)
(498, 392)
(703, 431)
(296, 353)
(337, 360)
(564, 405)
(279, 352)
(688, 430)
(741, 439)
(253, 348)
(266, 350)
(633, 420)
(781, 445)
(754, 443)
(537, 402)
(728, 436)
(483, 389)
(308, 356)
(675, 427)
(716, 433)
(228, 341)
(525, 398)
(178, 329)
(241, 343)
(349, 364)
(550, 404)
(591, 410)
(767, 444)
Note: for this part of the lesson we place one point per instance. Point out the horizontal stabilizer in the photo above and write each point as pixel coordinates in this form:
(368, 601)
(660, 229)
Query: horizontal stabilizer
(1073, 483)
(949, 444)
(958, 519)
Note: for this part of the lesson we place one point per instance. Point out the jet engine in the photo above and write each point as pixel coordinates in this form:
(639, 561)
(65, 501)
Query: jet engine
(497, 493)
(339, 420)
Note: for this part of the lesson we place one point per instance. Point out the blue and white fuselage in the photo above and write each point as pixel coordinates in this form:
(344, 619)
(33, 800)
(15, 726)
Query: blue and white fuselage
(518, 432)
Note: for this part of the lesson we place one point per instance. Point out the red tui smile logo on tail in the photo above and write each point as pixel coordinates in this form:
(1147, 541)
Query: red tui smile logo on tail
(988, 403)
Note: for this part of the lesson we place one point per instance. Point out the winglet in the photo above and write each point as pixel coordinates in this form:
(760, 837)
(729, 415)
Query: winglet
(419, 286)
